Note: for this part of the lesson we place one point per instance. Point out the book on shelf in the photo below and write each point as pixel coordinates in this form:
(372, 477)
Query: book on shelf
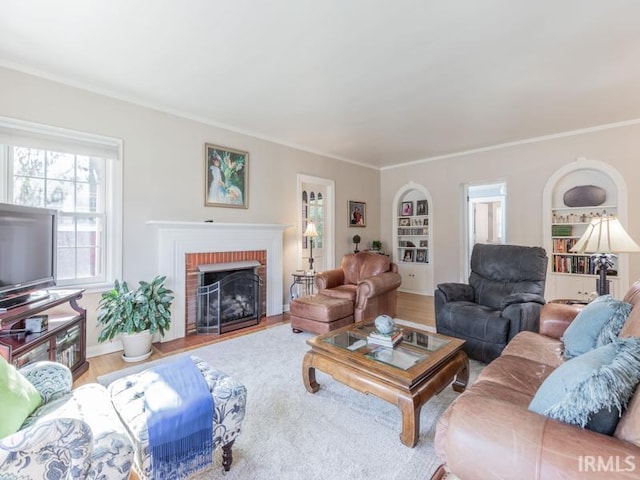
(385, 339)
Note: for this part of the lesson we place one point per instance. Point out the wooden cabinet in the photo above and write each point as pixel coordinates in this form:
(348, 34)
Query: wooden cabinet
(571, 275)
(414, 279)
(412, 231)
(577, 287)
(63, 341)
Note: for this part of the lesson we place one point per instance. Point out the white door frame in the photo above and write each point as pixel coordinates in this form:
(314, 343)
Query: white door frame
(465, 255)
(329, 218)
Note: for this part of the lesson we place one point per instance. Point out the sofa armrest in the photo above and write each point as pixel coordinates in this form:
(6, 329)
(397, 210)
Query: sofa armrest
(456, 292)
(59, 448)
(492, 438)
(555, 318)
(329, 279)
(376, 286)
(51, 379)
(522, 297)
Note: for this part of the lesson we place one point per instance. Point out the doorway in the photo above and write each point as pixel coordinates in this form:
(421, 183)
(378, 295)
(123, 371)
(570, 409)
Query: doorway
(316, 204)
(485, 217)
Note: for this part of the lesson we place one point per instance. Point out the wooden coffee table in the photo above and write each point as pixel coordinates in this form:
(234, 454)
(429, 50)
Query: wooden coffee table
(408, 375)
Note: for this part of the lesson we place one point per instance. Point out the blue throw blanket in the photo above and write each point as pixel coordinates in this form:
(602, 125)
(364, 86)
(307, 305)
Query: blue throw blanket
(179, 418)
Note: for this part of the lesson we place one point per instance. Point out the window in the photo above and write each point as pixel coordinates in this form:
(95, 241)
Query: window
(79, 177)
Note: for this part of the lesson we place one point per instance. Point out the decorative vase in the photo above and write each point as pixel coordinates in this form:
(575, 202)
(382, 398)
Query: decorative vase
(137, 346)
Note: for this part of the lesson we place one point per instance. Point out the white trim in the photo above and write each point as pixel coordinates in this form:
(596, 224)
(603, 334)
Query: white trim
(329, 218)
(176, 239)
(543, 138)
(178, 113)
(465, 252)
(582, 163)
(113, 185)
(428, 267)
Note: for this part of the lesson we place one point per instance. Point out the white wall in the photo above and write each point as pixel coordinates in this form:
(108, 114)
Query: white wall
(164, 172)
(525, 168)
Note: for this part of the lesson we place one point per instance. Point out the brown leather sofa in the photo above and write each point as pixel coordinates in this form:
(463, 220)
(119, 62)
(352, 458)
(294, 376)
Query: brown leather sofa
(364, 287)
(488, 432)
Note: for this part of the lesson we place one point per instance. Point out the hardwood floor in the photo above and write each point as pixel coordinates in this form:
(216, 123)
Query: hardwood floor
(411, 307)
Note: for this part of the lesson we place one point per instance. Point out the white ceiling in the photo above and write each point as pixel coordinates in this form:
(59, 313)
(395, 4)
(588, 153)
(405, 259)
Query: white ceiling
(377, 82)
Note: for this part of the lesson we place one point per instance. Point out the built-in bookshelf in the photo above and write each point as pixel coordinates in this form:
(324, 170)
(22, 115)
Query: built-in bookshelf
(412, 213)
(568, 224)
(572, 275)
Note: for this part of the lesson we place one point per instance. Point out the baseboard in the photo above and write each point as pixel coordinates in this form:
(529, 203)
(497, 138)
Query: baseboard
(103, 349)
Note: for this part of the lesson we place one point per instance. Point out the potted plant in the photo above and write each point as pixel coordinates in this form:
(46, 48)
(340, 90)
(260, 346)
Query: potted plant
(376, 245)
(356, 239)
(136, 315)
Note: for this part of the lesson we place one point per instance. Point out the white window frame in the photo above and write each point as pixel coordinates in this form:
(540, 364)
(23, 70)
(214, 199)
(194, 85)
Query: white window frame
(49, 138)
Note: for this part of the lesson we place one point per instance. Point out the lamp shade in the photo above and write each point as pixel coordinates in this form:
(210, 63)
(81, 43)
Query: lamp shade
(311, 230)
(605, 235)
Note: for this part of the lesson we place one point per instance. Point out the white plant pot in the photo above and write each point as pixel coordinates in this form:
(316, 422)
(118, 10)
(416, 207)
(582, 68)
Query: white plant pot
(137, 346)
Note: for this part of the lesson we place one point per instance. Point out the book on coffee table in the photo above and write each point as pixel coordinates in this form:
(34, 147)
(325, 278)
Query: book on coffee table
(385, 339)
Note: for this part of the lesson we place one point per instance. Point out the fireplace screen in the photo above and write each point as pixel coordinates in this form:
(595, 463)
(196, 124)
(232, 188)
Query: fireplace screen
(228, 301)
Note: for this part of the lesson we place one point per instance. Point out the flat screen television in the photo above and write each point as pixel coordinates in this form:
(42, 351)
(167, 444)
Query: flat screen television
(27, 253)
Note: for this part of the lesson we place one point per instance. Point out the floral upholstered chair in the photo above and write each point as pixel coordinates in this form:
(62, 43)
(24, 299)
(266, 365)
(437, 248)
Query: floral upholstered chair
(72, 434)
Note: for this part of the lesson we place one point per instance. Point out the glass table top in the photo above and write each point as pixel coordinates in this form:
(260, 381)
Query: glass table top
(420, 345)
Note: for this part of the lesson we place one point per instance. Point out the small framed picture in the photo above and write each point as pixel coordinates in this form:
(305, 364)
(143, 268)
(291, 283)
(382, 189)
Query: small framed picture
(407, 208)
(422, 207)
(421, 256)
(404, 222)
(357, 214)
(424, 243)
(408, 256)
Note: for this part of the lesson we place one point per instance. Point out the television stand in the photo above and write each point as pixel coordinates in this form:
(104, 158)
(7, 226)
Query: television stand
(63, 340)
(24, 299)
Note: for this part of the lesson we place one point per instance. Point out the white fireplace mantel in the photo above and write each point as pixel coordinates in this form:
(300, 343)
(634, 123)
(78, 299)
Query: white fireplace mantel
(176, 239)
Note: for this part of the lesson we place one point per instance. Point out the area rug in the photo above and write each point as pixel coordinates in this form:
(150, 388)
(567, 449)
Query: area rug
(288, 433)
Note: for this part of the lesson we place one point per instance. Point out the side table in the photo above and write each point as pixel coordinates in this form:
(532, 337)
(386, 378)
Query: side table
(304, 282)
(569, 301)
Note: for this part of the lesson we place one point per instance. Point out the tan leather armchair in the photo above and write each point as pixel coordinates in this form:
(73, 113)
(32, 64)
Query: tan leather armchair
(369, 280)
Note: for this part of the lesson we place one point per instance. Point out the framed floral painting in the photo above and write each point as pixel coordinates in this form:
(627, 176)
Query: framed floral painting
(227, 179)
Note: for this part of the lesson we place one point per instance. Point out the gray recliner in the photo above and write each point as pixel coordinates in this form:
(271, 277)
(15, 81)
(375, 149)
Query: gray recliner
(503, 297)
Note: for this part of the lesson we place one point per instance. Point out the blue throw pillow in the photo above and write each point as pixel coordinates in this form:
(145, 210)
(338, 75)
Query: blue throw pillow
(597, 324)
(592, 390)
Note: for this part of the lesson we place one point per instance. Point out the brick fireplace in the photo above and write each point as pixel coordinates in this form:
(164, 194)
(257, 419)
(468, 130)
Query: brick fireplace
(192, 274)
(220, 241)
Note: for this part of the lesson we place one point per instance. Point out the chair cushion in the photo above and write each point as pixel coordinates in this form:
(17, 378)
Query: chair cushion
(592, 390)
(536, 347)
(321, 308)
(18, 398)
(597, 324)
(346, 292)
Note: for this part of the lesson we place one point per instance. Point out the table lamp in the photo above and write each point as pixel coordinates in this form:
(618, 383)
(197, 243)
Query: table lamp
(604, 238)
(311, 232)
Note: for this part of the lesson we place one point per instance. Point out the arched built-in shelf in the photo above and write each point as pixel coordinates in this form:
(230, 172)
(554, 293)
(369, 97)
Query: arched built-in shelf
(412, 227)
(572, 275)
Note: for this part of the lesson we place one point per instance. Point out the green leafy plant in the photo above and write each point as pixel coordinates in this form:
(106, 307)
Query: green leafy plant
(122, 310)
(376, 245)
